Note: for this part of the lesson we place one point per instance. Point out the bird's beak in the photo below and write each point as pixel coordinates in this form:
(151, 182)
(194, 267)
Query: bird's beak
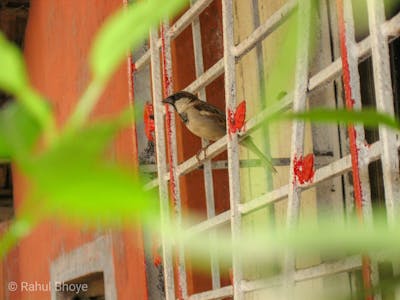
(168, 100)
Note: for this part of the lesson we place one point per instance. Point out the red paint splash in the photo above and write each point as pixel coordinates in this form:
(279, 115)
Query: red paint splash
(304, 168)
(354, 151)
(237, 117)
(157, 260)
(231, 276)
(148, 119)
(131, 70)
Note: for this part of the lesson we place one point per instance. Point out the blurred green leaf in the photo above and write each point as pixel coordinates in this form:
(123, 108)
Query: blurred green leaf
(369, 118)
(13, 79)
(125, 30)
(281, 74)
(18, 131)
(13, 76)
(78, 184)
(18, 229)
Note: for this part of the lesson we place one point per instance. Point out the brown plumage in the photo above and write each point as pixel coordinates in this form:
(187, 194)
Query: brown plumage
(207, 121)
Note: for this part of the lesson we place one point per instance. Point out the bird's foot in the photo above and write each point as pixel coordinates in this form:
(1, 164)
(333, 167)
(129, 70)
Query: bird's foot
(198, 156)
(199, 153)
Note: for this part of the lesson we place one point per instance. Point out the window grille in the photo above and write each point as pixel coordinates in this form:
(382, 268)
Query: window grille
(381, 32)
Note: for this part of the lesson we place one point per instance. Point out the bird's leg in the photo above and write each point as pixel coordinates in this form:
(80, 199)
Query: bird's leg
(199, 152)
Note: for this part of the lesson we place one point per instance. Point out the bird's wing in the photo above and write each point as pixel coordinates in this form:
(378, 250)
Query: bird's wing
(206, 109)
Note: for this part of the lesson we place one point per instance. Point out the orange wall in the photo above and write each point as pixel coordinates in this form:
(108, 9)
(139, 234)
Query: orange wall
(58, 37)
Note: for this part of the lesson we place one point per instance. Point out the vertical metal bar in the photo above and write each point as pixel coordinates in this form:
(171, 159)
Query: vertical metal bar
(347, 184)
(384, 103)
(172, 154)
(263, 99)
(161, 165)
(208, 175)
(351, 81)
(233, 146)
(297, 140)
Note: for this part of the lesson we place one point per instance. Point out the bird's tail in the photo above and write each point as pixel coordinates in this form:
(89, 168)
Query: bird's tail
(248, 142)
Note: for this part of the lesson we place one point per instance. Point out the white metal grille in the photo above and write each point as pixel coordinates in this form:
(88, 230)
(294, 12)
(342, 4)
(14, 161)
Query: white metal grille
(386, 149)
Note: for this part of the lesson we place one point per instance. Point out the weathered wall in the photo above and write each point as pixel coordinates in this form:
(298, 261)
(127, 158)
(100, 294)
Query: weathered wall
(58, 37)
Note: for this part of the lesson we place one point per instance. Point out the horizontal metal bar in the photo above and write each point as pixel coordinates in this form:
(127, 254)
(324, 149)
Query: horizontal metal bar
(333, 169)
(264, 200)
(265, 29)
(327, 269)
(213, 294)
(322, 270)
(142, 61)
(207, 77)
(390, 28)
(184, 21)
(218, 220)
(151, 185)
(325, 76)
(188, 17)
(223, 164)
(220, 145)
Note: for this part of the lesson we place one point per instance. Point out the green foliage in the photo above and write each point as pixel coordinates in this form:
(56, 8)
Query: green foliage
(121, 32)
(77, 182)
(70, 176)
(13, 79)
(13, 76)
(18, 132)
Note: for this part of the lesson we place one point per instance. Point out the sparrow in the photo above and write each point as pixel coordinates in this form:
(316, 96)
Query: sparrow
(207, 121)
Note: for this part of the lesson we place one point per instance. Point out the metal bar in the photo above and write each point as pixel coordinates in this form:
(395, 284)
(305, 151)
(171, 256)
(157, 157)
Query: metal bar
(351, 82)
(384, 103)
(184, 21)
(265, 29)
(188, 17)
(335, 168)
(207, 77)
(327, 269)
(207, 169)
(320, 79)
(219, 146)
(322, 270)
(173, 156)
(218, 220)
(361, 50)
(232, 143)
(143, 60)
(220, 293)
(297, 140)
(223, 164)
(347, 264)
(161, 165)
(390, 28)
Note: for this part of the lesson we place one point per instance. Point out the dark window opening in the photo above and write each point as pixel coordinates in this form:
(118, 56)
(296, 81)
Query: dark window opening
(6, 192)
(88, 287)
(13, 20)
